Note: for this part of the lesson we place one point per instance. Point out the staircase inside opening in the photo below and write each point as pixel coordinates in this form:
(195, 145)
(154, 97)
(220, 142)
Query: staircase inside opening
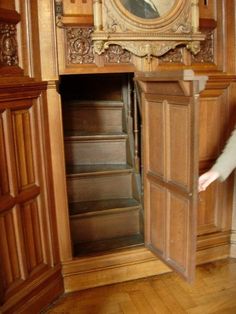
(103, 184)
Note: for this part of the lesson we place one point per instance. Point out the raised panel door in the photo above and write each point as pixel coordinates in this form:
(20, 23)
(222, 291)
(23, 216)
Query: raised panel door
(170, 143)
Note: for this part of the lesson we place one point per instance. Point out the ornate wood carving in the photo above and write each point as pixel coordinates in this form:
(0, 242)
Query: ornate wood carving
(8, 45)
(79, 45)
(206, 53)
(80, 48)
(172, 56)
(8, 42)
(116, 54)
(146, 37)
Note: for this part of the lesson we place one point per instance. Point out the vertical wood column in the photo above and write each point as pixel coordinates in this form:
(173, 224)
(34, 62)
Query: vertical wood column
(46, 69)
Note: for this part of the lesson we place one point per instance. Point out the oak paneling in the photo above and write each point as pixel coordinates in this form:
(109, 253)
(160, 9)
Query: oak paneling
(27, 237)
(4, 184)
(157, 216)
(32, 235)
(155, 122)
(213, 117)
(10, 264)
(77, 7)
(22, 125)
(170, 191)
(178, 141)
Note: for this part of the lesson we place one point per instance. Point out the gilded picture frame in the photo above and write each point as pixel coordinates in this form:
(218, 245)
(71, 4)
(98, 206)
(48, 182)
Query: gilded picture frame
(148, 9)
(176, 22)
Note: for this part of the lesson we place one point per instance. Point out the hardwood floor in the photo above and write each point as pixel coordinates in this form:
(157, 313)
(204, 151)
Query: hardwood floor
(214, 291)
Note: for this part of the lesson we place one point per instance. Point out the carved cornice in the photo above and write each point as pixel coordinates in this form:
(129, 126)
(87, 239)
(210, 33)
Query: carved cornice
(146, 48)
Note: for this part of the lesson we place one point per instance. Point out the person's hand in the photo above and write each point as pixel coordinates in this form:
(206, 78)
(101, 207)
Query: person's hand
(206, 179)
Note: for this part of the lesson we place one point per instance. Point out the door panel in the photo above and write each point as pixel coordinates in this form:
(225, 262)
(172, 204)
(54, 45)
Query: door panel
(170, 144)
(28, 247)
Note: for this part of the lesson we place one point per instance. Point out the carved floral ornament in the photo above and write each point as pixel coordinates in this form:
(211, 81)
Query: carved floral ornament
(146, 27)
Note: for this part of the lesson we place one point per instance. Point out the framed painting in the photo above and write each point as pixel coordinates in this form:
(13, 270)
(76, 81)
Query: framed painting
(148, 9)
(146, 27)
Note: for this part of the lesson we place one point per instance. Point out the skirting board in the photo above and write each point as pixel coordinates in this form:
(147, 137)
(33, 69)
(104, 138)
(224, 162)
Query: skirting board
(81, 274)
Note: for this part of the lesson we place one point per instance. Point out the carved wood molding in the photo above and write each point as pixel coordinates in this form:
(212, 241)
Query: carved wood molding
(80, 49)
(146, 48)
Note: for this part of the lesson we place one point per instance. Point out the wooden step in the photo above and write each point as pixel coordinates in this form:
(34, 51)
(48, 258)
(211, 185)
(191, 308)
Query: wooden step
(88, 207)
(96, 186)
(82, 170)
(93, 116)
(103, 246)
(104, 220)
(87, 148)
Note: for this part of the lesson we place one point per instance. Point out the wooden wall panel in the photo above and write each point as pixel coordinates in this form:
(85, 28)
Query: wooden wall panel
(8, 4)
(77, 7)
(178, 230)
(4, 184)
(21, 125)
(178, 138)
(32, 235)
(10, 262)
(212, 132)
(216, 122)
(157, 216)
(155, 121)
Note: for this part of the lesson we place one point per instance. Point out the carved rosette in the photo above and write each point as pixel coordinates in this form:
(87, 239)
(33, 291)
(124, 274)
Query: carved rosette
(79, 45)
(8, 45)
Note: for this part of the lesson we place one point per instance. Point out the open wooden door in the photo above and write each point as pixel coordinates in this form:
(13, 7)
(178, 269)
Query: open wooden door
(170, 153)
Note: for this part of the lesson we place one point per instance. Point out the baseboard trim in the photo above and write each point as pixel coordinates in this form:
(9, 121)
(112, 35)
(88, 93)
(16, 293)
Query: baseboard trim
(84, 273)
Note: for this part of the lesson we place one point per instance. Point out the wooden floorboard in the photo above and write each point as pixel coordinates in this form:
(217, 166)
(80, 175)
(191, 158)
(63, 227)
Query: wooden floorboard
(214, 291)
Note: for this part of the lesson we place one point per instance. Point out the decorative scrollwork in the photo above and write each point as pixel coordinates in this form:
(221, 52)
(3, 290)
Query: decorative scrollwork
(172, 56)
(8, 45)
(142, 49)
(115, 54)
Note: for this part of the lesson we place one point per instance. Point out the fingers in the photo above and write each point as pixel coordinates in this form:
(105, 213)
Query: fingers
(206, 179)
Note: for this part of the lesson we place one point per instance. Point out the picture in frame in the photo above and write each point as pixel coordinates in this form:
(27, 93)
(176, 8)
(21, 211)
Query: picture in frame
(148, 9)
